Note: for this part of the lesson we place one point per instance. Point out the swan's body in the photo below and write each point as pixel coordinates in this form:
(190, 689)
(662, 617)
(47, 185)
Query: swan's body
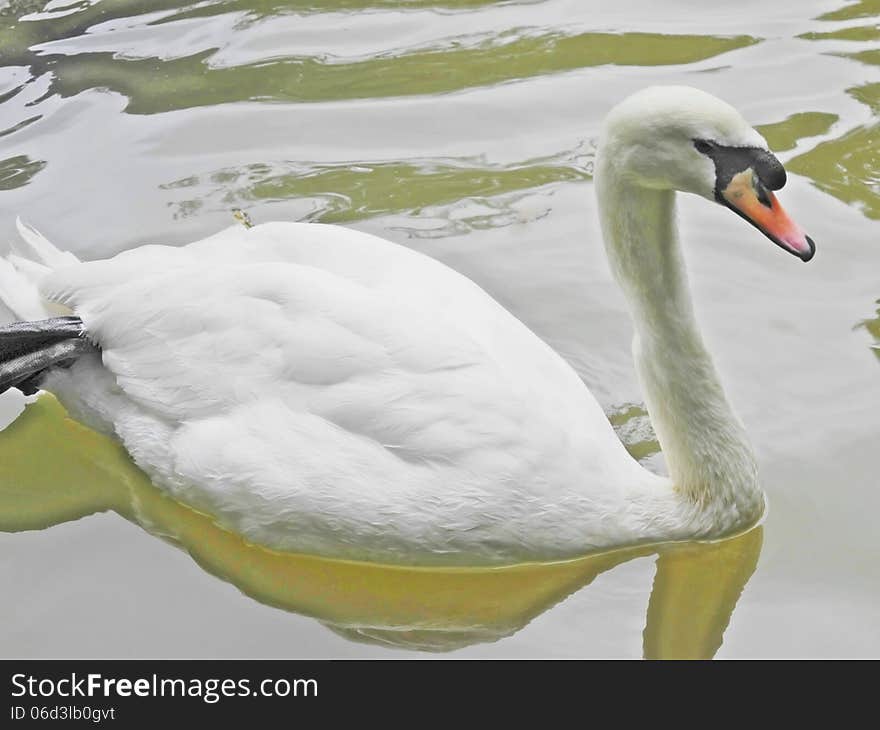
(321, 390)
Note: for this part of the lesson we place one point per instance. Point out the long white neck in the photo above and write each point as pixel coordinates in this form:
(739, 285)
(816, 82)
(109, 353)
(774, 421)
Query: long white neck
(707, 451)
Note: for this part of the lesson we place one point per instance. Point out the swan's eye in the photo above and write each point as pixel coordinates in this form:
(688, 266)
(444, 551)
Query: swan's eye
(703, 146)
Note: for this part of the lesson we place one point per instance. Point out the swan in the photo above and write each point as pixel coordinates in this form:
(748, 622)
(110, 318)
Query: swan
(320, 390)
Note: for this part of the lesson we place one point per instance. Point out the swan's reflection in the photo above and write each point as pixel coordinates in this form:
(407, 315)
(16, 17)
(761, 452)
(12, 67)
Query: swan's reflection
(52, 470)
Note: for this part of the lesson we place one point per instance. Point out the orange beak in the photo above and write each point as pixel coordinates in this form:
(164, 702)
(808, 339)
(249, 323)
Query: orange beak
(747, 196)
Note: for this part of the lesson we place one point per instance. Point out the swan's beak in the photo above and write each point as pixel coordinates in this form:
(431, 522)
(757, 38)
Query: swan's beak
(747, 196)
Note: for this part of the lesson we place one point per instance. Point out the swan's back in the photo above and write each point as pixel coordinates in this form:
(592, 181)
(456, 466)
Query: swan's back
(323, 390)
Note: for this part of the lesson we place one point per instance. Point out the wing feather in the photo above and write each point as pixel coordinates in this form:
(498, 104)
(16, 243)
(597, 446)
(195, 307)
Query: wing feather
(191, 342)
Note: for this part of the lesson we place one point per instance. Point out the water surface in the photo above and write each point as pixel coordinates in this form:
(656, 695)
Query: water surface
(465, 129)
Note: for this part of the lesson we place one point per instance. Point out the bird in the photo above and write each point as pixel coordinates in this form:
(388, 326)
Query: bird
(321, 390)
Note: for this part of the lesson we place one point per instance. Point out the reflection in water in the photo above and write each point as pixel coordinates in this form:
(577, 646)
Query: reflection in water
(173, 10)
(158, 85)
(17, 8)
(190, 79)
(853, 10)
(785, 135)
(857, 33)
(191, 70)
(158, 75)
(696, 586)
(17, 171)
(345, 192)
(849, 167)
(23, 123)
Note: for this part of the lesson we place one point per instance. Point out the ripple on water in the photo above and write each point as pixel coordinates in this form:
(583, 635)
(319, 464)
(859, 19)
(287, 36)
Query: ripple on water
(18, 171)
(343, 192)
(848, 167)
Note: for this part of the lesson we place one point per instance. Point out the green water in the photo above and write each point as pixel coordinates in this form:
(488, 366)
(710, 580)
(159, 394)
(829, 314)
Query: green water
(465, 129)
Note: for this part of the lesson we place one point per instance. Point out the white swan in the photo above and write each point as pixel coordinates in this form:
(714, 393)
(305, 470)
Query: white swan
(321, 390)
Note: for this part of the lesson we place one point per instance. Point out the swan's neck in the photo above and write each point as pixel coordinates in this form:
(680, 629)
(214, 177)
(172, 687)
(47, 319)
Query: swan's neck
(708, 454)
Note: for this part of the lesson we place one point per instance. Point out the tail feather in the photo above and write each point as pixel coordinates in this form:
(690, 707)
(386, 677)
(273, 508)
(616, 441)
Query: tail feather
(22, 272)
(31, 269)
(34, 246)
(19, 294)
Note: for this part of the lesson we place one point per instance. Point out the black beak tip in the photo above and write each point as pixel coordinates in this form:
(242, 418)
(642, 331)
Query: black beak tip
(807, 255)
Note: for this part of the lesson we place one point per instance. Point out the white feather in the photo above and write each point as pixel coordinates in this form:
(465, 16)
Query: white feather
(35, 247)
(20, 294)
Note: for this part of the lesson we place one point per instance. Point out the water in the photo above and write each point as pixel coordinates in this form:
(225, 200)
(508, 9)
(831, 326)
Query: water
(464, 129)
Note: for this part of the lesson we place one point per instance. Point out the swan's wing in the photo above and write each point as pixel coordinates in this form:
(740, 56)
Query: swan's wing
(324, 390)
(188, 341)
(314, 313)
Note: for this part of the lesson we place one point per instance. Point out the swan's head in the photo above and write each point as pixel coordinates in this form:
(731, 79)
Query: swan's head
(680, 138)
